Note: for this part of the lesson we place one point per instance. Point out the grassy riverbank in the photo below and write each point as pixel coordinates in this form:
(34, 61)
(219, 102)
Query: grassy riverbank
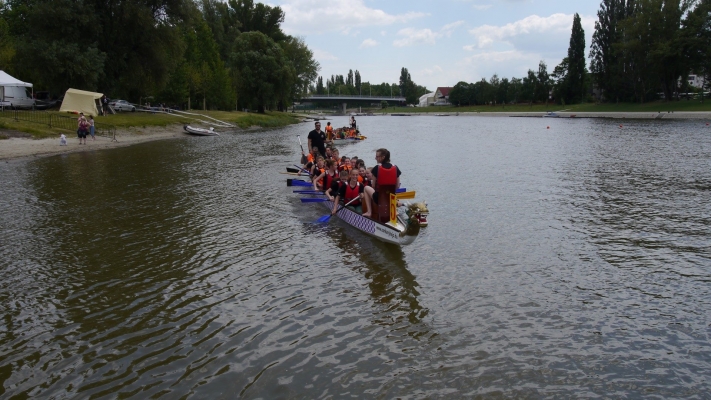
(137, 120)
(657, 106)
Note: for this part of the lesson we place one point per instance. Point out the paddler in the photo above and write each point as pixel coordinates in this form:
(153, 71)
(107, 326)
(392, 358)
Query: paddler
(329, 132)
(317, 170)
(384, 174)
(336, 185)
(327, 176)
(348, 192)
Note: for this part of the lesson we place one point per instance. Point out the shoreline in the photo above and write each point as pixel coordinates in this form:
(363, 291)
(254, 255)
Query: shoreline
(21, 148)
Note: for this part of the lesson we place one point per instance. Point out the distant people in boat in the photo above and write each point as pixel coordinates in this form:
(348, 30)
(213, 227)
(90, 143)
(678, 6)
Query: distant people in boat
(326, 177)
(317, 138)
(351, 191)
(329, 132)
(384, 174)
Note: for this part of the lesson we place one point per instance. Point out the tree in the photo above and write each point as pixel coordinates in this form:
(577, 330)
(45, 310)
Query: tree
(408, 88)
(261, 70)
(303, 63)
(696, 41)
(320, 89)
(528, 87)
(357, 81)
(558, 80)
(259, 18)
(543, 81)
(575, 77)
(606, 65)
(460, 94)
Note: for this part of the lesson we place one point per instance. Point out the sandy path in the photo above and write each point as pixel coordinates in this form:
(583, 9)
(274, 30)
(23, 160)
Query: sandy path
(15, 148)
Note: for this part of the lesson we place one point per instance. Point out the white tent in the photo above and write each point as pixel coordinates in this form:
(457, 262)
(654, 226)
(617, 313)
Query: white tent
(77, 101)
(7, 80)
(13, 91)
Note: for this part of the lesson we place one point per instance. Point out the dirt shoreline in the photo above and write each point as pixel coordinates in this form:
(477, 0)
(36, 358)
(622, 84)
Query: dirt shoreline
(16, 148)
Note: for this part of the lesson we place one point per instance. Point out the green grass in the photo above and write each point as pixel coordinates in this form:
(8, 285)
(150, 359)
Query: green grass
(683, 105)
(142, 119)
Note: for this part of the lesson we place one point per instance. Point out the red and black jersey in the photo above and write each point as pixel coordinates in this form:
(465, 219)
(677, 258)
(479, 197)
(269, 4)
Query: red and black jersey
(348, 193)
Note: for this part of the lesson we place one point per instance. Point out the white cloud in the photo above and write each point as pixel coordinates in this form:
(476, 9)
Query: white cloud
(318, 16)
(431, 71)
(411, 36)
(368, 43)
(482, 7)
(324, 55)
(487, 35)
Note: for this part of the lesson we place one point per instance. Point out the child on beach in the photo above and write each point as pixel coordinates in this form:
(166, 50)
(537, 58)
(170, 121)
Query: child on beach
(91, 127)
(62, 140)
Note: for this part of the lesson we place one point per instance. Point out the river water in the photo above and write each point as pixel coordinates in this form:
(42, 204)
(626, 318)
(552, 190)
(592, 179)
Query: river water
(573, 261)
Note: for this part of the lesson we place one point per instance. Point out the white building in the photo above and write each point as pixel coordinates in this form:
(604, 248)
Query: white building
(696, 81)
(427, 99)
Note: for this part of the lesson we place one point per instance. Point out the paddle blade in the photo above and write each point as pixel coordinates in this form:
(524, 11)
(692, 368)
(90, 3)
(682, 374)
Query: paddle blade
(289, 169)
(288, 182)
(314, 192)
(301, 183)
(313, 200)
(401, 190)
(325, 218)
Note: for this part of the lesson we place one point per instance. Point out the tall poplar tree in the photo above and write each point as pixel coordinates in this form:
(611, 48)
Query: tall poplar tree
(575, 78)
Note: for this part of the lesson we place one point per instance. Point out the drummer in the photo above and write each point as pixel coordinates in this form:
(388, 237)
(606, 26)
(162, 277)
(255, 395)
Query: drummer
(385, 172)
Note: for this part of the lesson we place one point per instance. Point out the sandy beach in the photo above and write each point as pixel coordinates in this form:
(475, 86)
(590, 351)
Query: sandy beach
(23, 147)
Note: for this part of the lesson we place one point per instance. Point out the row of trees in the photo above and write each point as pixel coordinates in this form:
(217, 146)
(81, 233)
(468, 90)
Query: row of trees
(351, 84)
(642, 47)
(567, 83)
(221, 54)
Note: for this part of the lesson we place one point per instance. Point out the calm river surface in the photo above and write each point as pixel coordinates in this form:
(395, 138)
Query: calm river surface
(566, 262)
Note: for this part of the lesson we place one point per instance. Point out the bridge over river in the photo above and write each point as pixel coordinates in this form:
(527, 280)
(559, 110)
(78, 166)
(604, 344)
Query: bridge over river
(355, 100)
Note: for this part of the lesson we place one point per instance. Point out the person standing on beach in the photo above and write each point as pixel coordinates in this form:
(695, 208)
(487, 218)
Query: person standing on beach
(105, 105)
(317, 138)
(82, 128)
(91, 127)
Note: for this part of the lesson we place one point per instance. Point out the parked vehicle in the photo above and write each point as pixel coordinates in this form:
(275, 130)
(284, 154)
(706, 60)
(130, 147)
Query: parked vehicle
(122, 105)
(16, 97)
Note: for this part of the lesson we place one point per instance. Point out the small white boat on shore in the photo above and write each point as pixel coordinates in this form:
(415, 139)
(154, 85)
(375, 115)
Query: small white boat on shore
(200, 131)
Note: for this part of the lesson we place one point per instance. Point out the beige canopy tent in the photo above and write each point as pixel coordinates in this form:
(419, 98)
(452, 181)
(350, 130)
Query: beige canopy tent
(80, 101)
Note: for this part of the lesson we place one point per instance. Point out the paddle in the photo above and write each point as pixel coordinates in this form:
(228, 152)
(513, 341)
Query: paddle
(309, 191)
(325, 218)
(302, 170)
(296, 182)
(303, 156)
(313, 200)
(289, 169)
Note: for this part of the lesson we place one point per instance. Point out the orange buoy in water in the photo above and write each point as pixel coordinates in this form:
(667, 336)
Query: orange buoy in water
(620, 126)
(548, 127)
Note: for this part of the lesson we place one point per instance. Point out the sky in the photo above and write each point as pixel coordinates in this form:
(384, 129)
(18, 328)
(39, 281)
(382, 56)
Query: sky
(440, 42)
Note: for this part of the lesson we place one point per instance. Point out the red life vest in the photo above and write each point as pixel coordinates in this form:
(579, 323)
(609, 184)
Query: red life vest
(328, 180)
(352, 193)
(387, 176)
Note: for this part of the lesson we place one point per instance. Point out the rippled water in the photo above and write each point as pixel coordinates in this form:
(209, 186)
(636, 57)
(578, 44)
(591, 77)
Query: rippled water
(566, 262)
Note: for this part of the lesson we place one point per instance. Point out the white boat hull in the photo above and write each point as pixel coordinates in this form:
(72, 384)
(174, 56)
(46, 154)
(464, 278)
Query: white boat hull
(200, 131)
(400, 233)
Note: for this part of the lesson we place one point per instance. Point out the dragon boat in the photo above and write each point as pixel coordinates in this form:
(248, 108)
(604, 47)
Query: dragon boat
(402, 229)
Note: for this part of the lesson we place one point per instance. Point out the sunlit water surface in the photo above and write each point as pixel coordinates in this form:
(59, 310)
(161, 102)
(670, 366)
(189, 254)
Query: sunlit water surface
(566, 262)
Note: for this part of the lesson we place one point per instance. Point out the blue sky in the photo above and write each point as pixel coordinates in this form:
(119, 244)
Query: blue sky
(440, 42)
